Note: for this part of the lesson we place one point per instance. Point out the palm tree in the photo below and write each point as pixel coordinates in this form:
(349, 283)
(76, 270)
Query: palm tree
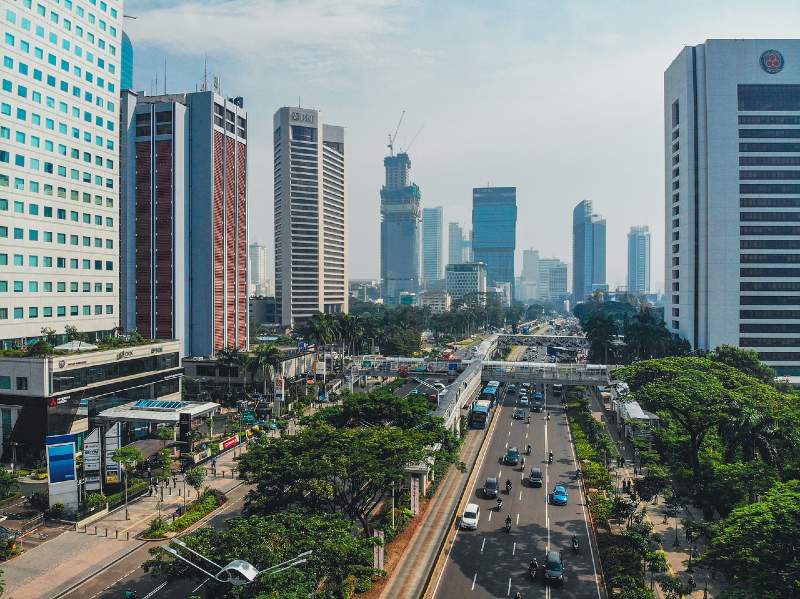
(268, 359)
(127, 457)
(755, 433)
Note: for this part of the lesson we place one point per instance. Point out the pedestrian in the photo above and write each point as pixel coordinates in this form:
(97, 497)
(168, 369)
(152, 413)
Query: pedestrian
(635, 471)
(174, 481)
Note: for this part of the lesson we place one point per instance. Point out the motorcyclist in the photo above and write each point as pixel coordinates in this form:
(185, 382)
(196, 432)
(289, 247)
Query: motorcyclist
(522, 463)
(528, 451)
(499, 503)
(508, 522)
(574, 543)
(508, 485)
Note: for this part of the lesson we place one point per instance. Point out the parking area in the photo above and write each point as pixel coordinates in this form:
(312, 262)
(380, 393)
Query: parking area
(422, 387)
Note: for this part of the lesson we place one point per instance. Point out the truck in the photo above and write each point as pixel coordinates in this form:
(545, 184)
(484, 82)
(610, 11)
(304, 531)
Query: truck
(479, 414)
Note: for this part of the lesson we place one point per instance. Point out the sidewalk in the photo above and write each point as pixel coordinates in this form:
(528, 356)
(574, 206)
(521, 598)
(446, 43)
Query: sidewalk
(47, 569)
(677, 554)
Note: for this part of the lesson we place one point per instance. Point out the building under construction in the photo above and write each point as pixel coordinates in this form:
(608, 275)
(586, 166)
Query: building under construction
(401, 219)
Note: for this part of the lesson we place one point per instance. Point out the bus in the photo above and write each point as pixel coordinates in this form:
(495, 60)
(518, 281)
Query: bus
(479, 414)
(538, 401)
(489, 394)
(562, 353)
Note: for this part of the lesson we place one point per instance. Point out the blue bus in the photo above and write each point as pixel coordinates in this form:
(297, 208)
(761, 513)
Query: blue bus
(479, 414)
(489, 394)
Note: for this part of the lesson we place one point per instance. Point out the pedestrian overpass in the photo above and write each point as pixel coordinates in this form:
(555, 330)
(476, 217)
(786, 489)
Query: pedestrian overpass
(545, 372)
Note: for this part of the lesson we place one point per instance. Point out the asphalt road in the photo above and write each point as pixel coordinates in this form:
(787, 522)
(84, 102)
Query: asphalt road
(489, 562)
(127, 573)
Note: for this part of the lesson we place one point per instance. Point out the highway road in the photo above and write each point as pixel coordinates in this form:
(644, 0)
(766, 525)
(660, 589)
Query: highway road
(488, 562)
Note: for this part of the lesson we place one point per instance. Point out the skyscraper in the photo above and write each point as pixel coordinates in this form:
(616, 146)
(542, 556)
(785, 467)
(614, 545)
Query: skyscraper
(530, 275)
(310, 216)
(731, 116)
(455, 244)
(184, 219)
(401, 219)
(59, 170)
(260, 280)
(588, 251)
(639, 260)
(432, 244)
(494, 229)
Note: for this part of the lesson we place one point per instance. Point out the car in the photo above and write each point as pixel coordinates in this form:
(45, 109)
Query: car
(490, 487)
(553, 568)
(523, 401)
(535, 477)
(512, 456)
(519, 414)
(559, 496)
(440, 386)
(511, 388)
(469, 519)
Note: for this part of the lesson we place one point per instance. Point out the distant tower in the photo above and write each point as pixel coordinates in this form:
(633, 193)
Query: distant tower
(401, 219)
(432, 244)
(494, 230)
(588, 251)
(639, 260)
(126, 73)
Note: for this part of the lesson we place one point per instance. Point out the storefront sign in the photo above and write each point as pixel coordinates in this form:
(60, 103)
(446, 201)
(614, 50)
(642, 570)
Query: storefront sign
(229, 442)
(92, 460)
(112, 445)
(62, 477)
(201, 455)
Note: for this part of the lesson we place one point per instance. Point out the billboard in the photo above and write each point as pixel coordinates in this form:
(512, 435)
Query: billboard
(228, 443)
(279, 390)
(92, 460)
(112, 445)
(62, 478)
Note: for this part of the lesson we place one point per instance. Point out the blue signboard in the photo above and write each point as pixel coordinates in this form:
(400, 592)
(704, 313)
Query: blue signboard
(452, 366)
(61, 462)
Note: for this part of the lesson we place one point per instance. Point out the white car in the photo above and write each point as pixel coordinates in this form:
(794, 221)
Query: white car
(523, 401)
(469, 520)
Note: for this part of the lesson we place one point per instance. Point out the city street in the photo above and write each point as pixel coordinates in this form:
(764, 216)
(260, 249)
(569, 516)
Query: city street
(489, 562)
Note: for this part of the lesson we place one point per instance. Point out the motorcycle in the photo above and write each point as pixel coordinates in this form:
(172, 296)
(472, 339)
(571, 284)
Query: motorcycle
(528, 450)
(499, 504)
(508, 486)
(575, 547)
(508, 524)
(533, 570)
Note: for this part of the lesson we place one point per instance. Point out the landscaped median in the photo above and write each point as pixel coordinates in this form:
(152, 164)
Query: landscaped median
(161, 528)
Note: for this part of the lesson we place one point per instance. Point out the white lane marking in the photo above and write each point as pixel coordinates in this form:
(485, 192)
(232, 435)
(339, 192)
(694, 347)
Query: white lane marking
(526, 435)
(473, 581)
(201, 585)
(490, 516)
(508, 592)
(547, 483)
(514, 549)
(583, 511)
(517, 519)
(506, 444)
(155, 590)
(520, 495)
(499, 475)
(484, 538)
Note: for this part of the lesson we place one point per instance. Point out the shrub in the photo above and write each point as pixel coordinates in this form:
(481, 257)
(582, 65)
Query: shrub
(55, 511)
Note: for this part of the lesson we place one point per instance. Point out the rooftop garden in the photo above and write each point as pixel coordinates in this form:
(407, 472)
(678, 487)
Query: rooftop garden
(49, 341)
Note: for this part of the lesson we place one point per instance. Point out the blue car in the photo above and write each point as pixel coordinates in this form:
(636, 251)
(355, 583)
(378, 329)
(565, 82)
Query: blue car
(559, 496)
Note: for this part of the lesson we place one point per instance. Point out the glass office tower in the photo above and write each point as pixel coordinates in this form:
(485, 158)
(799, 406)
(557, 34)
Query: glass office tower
(494, 230)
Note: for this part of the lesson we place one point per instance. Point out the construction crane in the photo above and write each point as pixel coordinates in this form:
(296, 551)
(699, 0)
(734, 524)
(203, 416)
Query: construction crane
(393, 136)
(413, 139)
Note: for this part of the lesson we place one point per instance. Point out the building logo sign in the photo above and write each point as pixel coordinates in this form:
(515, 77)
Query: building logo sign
(771, 61)
(302, 117)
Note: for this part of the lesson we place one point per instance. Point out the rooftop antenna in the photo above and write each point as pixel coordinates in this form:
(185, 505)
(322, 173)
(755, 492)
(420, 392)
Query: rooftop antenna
(393, 136)
(205, 73)
(165, 75)
(155, 93)
(413, 139)
(299, 102)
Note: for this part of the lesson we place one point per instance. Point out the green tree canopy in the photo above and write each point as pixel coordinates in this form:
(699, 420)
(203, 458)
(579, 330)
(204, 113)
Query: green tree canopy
(745, 360)
(756, 546)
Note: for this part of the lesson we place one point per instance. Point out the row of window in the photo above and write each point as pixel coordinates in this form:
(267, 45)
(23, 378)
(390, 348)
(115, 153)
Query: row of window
(23, 68)
(769, 244)
(25, 46)
(767, 230)
(769, 188)
(769, 272)
(769, 342)
(769, 328)
(783, 175)
(770, 216)
(22, 383)
(769, 300)
(18, 313)
(35, 119)
(23, 138)
(47, 167)
(47, 189)
(769, 202)
(769, 258)
(769, 286)
(48, 212)
(769, 160)
(47, 261)
(769, 147)
(769, 314)
(47, 287)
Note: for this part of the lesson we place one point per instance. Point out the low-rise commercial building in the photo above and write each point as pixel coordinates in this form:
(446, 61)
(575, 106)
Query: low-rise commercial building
(466, 282)
(437, 301)
(63, 393)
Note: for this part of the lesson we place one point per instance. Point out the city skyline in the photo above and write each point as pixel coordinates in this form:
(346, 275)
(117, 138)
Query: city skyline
(356, 52)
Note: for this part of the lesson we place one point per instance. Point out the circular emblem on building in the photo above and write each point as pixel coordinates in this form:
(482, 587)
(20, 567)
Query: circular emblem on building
(771, 61)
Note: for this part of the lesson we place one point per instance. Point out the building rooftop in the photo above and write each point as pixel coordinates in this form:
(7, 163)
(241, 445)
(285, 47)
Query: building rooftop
(158, 411)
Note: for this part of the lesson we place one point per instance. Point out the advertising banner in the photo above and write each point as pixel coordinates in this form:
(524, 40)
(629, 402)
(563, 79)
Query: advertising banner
(62, 478)
(228, 443)
(320, 368)
(112, 445)
(92, 460)
(414, 495)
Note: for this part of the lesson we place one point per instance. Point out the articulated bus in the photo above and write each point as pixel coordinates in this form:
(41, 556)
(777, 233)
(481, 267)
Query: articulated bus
(479, 414)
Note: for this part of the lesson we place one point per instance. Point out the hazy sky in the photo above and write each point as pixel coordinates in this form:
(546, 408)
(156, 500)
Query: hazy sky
(561, 99)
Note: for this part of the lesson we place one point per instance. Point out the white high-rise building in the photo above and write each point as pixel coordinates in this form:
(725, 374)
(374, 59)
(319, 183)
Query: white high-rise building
(260, 280)
(552, 281)
(466, 282)
(455, 244)
(59, 168)
(732, 197)
(310, 216)
(432, 244)
(529, 280)
(639, 260)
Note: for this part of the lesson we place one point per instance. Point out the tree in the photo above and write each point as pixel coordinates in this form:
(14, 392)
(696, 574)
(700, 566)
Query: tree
(166, 434)
(745, 360)
(338, 558)
(600, 331)
(756, 546)
(195, 478)
(127, 457)
(348, 471)
(8, 484)
(268, 359)
(73, 334)
(96, 500)
(673, 587)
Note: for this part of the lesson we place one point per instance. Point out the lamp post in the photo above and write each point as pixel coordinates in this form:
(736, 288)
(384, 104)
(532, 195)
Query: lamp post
(677, 541)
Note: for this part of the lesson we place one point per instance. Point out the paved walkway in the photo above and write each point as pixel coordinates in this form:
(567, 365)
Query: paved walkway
(677, 553)
(48, 569)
